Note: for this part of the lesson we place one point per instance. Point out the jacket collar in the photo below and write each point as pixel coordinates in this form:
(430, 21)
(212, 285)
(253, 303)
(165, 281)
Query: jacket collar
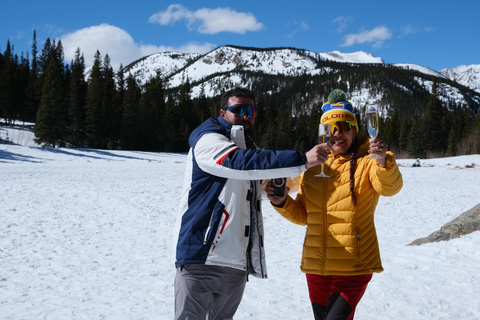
(362, 150)
(235, 133)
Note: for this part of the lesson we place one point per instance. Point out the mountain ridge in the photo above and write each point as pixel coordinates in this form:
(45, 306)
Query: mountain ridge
(226, 66)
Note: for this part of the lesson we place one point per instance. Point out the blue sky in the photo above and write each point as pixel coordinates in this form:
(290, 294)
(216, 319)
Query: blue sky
(434, 34)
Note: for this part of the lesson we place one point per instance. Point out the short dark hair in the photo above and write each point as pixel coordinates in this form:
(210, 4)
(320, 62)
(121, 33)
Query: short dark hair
(236, 92)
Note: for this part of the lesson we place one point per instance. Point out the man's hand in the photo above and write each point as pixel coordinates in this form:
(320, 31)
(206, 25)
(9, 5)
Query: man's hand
(318, 155)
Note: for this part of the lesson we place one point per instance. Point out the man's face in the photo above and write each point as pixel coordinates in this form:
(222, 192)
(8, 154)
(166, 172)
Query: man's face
(245, 121)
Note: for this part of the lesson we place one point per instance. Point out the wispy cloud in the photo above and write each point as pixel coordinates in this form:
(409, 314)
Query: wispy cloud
(342, 23)
(298, 27)
(118, 44)
(208, 21)
(375, 36)
(411, 29)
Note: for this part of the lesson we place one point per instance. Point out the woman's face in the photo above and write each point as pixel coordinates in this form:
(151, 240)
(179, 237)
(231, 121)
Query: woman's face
(341, 141)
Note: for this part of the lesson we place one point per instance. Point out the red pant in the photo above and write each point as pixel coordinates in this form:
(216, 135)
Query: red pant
(336, 294)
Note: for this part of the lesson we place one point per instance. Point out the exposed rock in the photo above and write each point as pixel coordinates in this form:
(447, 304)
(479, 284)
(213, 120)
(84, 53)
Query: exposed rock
(220, 57)
(465, 223)
(238, 61)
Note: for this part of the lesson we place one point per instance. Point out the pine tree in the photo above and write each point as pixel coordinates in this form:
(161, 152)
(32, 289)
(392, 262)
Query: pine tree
(76, 108)
(21, 88)
(432, 124)
(130, 117)
(202, 105)
(302, 140)
(187, 116)
(261, 122)
(285, 133)
(172, 124)
(152, 110)
(93, 107)
(7, 76)
(403, 140)
(416, 141)
(50, 127)
(110, 111)
(32, 95)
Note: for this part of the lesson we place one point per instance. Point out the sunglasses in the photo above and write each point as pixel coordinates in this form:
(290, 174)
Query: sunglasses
(341, 126)
(242, 109)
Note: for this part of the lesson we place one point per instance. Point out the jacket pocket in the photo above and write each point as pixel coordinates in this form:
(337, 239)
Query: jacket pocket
(212, 227)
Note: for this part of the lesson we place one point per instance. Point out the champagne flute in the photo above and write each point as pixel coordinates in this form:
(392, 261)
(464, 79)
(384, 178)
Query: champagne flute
(371, 116)
(323, 137)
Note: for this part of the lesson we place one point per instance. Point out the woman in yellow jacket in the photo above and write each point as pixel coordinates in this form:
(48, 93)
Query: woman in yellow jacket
(341, 250)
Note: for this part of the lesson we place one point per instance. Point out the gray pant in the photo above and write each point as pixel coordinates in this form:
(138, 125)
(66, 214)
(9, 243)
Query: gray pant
(208, 292)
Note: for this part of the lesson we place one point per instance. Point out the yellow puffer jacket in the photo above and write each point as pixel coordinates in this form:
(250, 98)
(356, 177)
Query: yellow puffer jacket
(341, 238)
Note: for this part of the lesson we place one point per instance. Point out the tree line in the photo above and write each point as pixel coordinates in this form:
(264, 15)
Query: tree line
(106, 110)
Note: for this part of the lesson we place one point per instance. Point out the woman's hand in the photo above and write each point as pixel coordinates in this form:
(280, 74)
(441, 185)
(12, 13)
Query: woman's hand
(277, 201)
(379, 147)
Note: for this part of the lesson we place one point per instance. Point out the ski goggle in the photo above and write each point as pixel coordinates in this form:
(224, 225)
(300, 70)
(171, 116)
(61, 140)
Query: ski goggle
(242, 109)
(341, 126)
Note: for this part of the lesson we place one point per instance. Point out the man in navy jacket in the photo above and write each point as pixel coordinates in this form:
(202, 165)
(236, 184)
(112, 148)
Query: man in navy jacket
(220, 223)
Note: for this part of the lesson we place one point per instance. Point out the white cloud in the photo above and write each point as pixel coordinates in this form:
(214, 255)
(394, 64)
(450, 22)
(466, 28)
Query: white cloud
(208, 21)
(375, 36)
(342, 23)
(118, 44)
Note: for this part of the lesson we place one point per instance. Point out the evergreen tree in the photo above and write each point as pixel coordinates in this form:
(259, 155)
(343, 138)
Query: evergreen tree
(261, 121)
(391, 131)
(416, 141)
(110, 111)
(285, 133)
(32, 95)
(76, 111)
(21, 88)
(173, 124)
(187, 116)
(7, 76)
(432, 124)
(403, 140)
(50, 127)
(302, 140)
(269, 136)
(130, 118)
(152, 110)
(202, 105)
(313, 121)
(93, 107)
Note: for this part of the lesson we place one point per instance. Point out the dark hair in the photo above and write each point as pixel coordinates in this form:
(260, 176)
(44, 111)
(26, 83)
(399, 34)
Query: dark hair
(353, 162)
(236, 92)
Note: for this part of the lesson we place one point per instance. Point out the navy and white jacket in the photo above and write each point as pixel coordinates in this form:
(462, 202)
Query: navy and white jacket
(220, 219)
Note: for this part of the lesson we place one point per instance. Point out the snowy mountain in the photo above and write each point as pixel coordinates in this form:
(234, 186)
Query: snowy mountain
(221, 63)
(227, 66)
(469, 76)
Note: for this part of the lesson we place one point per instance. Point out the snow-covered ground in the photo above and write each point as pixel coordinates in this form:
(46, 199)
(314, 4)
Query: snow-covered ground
(87, 234)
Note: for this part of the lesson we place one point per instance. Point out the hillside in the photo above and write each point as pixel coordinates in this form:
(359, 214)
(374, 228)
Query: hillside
(232, 65)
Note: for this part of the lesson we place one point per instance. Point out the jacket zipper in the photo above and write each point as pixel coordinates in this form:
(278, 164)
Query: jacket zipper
(325, 227)
(257, 205)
